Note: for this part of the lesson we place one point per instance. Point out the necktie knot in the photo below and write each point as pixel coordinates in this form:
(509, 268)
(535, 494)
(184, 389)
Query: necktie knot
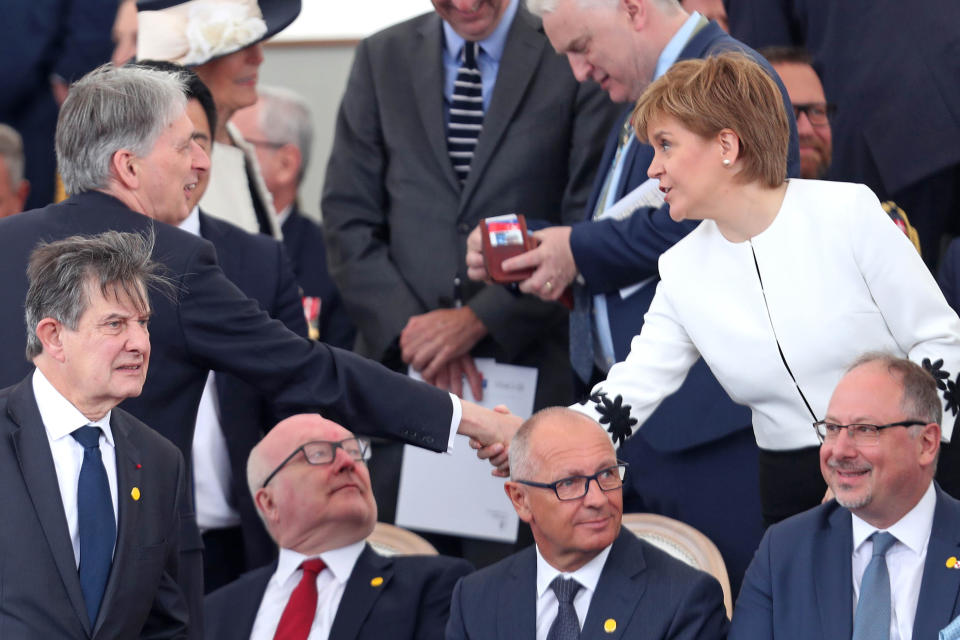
(565, 588)
(313, 567)
(88, 437)
(470, 52)
(882, 541)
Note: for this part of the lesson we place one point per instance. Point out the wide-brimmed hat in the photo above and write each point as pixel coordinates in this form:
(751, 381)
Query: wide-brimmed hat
(192, 32)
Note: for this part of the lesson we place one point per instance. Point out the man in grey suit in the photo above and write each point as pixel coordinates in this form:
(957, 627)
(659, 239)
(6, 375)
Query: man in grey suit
(586, 577)
(88, 543)
(397, 214)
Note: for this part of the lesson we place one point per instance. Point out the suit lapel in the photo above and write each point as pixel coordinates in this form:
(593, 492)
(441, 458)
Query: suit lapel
(518, 599)
(639, 156)
(619, 591)
(128, 518)
(940, 586)
(834, 576)
(40, 477)
(428, 92)
(519, 63)
(361, 593)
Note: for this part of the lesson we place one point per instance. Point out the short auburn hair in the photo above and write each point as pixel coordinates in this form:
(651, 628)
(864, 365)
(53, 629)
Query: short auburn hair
(728, 91)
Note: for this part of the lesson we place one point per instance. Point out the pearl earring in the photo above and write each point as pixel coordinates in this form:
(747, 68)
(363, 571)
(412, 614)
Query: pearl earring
(726, 162)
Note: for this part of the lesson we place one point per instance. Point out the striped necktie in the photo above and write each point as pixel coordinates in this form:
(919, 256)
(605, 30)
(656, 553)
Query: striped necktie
(466, 112)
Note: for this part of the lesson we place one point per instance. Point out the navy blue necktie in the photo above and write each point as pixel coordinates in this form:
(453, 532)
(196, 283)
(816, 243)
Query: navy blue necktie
(95, 520)
(566, 626)
(466, 112)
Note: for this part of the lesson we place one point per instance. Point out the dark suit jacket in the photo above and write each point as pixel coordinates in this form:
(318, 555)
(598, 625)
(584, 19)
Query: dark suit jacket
(40, 595)
(897, 106)
(800, 583)
(395, 217)
(303, 239)
(259, 267)
(412, 603)
(650, 594)
(615, 254)
(210, 324)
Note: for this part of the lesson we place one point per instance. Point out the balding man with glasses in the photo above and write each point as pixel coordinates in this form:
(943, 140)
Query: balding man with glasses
(309, 481)
(880, 560)
(585, 576)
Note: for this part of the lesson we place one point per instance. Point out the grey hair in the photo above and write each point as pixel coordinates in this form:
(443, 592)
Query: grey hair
(920, 398)
(119, 263)
(523, 464)
(109, 109)
(285, 118)
(540, 7)
(11, 149)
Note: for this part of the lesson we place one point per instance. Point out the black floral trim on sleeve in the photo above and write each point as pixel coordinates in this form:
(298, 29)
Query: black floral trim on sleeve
(615, 414)
(950, 388)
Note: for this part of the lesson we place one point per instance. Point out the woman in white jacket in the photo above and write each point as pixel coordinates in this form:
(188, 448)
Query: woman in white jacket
(781, 287)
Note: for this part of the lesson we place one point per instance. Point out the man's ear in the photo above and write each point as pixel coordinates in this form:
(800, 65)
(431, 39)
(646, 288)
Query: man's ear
(125, 169)
(518, 496)
(23, 192)
(636, 12)
(289, 161)
(266, 505)
(929, 438)
(50, 334)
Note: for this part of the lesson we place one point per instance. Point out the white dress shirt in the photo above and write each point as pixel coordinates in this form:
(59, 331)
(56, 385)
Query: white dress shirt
(60, 419)
(905, 560)
(212, 474)
(547, 606)
(330, 585)
(838, 280)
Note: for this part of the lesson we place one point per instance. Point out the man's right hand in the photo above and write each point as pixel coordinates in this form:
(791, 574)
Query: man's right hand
(490, 433)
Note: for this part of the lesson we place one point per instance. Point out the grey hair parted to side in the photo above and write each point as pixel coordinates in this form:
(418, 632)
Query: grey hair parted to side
(120, 264)
(920, 398)
(285, 118)
(109, 109)
(11, 149)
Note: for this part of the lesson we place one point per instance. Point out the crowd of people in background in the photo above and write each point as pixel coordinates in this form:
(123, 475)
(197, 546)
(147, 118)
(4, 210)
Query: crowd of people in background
(740, 306)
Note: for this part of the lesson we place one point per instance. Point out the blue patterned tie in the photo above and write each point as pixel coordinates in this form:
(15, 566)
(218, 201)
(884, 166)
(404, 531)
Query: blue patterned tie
(566, 626)
(872, 620)
(466, 112)
(98, 528)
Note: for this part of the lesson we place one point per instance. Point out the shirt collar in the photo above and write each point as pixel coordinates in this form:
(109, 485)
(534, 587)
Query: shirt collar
(493, 44)
(340, 562)
(60, 418)
(679, 40)
(913, 529)
(192, 222)
(588, 575)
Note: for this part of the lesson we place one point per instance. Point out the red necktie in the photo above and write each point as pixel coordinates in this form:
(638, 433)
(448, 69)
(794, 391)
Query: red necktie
(298, 615)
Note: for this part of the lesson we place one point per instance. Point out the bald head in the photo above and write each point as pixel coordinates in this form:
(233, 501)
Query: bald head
(315, 504)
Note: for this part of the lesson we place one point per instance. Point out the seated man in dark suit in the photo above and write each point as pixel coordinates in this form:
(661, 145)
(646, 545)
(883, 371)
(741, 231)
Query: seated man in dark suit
(81, 554)
(884, 539)
(584, 572)
(280, 127)
(309, 480)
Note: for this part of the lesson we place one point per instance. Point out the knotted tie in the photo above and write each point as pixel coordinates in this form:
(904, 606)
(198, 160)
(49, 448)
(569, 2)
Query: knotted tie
(466, 112)
(872, 620)
(567, 625)
(95, 521)
(582, 354)
(298, 615)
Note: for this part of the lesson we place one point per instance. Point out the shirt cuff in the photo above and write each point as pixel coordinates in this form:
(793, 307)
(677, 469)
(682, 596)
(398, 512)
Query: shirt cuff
(454, 421)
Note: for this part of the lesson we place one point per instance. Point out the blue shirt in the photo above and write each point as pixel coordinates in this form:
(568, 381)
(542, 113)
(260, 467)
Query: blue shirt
(491, 51)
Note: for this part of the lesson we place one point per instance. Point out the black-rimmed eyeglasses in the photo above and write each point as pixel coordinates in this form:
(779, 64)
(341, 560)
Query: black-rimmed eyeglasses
(320, 452)
(575, 487)
(861, 433)
(818, 113)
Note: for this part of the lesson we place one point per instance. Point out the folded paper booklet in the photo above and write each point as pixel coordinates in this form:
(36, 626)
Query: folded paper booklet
(454, 493)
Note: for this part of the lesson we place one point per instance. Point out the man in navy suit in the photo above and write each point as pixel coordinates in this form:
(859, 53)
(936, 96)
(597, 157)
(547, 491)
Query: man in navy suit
(127, 154)
(695, 458)
(280, 127)
(881, 440)
(566, 484)
(88, 542)
(309, 480)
